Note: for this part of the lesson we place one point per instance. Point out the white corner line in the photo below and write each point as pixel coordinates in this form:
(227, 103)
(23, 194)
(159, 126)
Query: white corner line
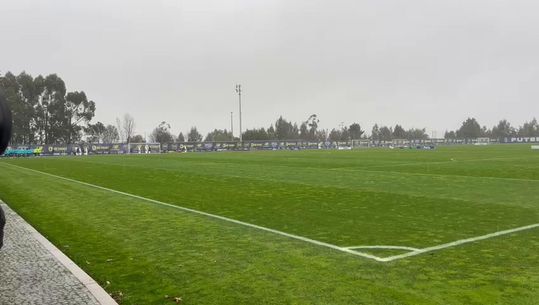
(384, 247)
(101, 296)
(460, 242)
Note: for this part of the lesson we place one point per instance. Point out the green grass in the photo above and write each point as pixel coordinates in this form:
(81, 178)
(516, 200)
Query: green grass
(346, 198)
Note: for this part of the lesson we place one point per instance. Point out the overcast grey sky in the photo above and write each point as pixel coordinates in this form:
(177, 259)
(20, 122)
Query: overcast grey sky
(421, 63)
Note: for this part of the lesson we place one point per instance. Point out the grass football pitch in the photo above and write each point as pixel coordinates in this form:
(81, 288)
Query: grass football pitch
(455, 225)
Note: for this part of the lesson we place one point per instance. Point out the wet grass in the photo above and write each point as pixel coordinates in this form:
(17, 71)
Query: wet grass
(347, 198)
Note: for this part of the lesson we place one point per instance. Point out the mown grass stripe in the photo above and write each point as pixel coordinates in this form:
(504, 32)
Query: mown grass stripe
(297, 237)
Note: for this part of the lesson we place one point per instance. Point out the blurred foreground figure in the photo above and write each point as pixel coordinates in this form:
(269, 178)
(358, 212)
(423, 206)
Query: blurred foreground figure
(5, 135)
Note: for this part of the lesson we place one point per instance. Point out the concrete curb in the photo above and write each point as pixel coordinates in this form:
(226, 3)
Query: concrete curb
(97, 291)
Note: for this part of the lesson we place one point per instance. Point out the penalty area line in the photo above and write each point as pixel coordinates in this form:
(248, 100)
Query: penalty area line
(246, 224)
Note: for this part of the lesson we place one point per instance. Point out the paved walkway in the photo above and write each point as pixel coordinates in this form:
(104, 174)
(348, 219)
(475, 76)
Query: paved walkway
(34, 272)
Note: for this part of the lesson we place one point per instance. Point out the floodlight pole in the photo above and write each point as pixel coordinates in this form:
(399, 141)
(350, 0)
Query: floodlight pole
(238, 89)
(232, 125)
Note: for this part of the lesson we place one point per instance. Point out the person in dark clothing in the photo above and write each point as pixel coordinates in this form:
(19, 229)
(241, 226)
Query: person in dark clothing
(2, 224)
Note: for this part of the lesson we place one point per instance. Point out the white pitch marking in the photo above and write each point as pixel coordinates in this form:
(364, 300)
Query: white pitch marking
(305, 239)
(384, 247)
(344, 169)
(442, 162)
(459, 242)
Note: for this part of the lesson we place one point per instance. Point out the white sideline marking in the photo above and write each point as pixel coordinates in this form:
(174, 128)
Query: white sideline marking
(305, 239)
(459, 242)
(348, 250)
(384, 247)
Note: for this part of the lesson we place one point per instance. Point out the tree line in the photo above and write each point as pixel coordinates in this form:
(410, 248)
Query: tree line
(471, 129)
(282, 129)
(387, 133)
(44, 112)
(308, 130)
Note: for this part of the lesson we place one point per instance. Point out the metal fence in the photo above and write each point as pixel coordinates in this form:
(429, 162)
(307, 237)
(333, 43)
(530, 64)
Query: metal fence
(146, 148)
